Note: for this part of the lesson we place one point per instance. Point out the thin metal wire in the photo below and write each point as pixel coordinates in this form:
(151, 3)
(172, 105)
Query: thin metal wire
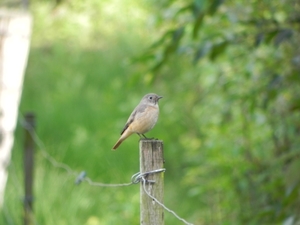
(47, 156)
(81, 177)
(161, 204)
(92, 183)
(135, 179)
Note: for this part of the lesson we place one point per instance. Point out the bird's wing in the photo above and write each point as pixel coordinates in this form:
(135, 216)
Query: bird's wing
(135, 114)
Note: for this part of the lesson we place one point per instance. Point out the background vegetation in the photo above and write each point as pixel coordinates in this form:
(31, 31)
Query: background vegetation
(229, 74)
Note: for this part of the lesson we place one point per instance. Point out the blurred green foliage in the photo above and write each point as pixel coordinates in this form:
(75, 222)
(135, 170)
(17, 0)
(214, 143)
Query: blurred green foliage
(229, 74)
(241, 98)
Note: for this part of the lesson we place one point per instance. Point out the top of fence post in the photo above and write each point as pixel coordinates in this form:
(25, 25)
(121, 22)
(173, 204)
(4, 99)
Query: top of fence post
(151, 158)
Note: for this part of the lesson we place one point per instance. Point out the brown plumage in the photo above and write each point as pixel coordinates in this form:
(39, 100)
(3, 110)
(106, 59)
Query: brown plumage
(142, 119)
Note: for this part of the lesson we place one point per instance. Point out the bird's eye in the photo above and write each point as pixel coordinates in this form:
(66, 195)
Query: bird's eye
(150, 97)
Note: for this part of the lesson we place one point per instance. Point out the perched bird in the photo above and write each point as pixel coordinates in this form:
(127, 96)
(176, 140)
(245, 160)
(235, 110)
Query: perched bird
(142, 119)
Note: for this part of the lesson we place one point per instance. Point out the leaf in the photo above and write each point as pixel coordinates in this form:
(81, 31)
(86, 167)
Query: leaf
(295, 104)
(197, 25)
(158, 65)
(259, 39)
(169, 50)
(291, 195)
(218, 49)
(282, 35)
(198, 7)
(270, 35)
(275, 81)
(214, 6)
(175, 34)
(142, 58)
(201, 52)
(178, 34)
(184, 9)
(161, 40)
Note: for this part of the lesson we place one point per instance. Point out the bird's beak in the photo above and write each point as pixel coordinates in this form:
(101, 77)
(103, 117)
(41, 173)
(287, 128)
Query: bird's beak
(159, 97)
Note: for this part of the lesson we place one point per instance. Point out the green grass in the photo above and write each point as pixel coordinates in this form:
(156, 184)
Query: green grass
(82, 86)
(78, 83)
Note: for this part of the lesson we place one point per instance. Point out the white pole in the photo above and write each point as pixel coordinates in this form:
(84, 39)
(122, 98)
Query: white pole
(15, 30)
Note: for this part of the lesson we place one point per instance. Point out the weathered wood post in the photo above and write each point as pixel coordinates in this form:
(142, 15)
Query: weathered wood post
(28, 167)
(151, 158)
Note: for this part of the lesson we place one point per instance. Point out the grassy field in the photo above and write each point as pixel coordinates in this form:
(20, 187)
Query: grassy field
(82, 82)
(81, 86)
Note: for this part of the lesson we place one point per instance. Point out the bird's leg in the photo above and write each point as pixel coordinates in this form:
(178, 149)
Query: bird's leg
(149, 138)
(143, 137)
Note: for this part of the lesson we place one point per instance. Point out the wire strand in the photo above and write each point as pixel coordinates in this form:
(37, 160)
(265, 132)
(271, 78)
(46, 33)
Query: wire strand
(82, 176)
(161, 204)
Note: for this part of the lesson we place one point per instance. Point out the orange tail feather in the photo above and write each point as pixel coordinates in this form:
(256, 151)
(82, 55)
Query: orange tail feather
(125, 135)
(117, 144)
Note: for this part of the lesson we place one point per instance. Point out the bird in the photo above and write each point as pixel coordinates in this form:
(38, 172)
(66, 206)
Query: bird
(142, 119)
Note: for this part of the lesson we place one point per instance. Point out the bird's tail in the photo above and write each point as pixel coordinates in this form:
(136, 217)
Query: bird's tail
(124, 135)
(118, 143)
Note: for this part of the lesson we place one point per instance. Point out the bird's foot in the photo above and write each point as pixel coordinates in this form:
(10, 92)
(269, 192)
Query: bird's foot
(143, 137)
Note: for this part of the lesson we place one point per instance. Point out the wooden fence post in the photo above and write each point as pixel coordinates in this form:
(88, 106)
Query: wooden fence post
(28, 168)
(151, 158)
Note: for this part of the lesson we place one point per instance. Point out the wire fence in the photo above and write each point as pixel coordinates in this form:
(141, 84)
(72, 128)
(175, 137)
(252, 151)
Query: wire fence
(82, 176)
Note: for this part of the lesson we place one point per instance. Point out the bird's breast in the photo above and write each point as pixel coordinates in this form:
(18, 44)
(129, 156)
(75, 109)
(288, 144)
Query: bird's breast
(146, 120)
